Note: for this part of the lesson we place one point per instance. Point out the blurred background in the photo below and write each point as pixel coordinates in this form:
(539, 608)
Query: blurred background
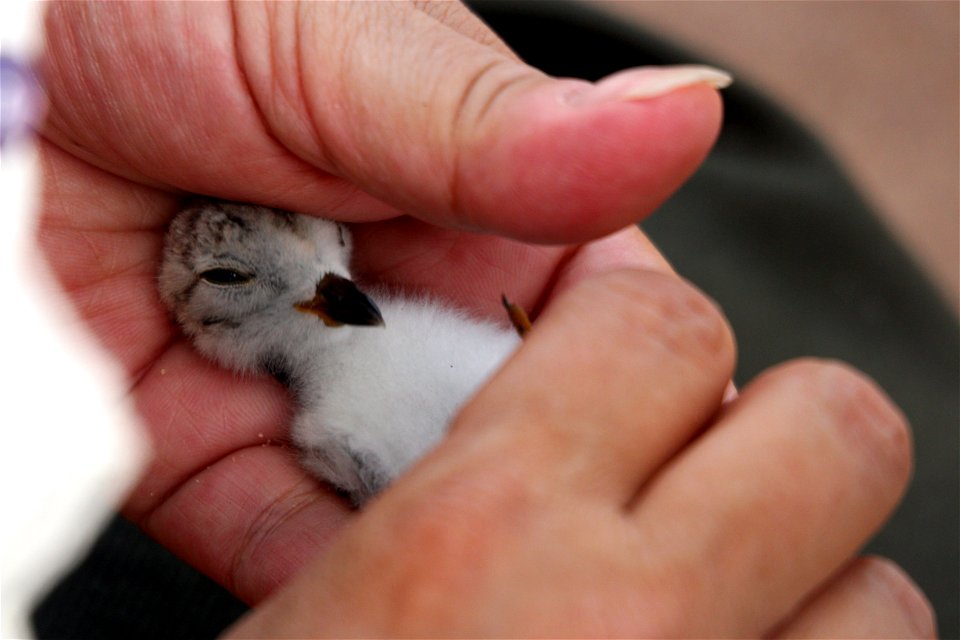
(878, 81)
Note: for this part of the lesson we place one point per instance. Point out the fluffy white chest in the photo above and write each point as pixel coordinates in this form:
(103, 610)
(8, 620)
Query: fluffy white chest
(385, 395)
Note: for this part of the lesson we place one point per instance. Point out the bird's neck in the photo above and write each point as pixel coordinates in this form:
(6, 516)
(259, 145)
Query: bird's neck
(298, 358)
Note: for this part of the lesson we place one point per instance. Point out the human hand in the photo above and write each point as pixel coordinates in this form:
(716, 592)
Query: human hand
(357, 111)
(149, 101)
(593, 489)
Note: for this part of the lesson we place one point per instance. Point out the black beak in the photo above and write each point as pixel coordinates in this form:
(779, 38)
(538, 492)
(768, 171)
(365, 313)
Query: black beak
(338, 302)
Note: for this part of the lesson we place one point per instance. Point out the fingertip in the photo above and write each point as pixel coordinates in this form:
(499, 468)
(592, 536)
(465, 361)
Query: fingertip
(546, 171)
(627, 248)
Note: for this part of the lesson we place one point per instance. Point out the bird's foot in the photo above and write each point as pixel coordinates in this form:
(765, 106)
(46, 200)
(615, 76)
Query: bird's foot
(518, 317)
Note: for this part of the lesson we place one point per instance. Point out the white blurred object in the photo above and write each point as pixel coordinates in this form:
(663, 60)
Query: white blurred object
(71, 447)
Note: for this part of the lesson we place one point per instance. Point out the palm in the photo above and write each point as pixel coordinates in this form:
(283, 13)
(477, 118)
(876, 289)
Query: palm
(221, 490)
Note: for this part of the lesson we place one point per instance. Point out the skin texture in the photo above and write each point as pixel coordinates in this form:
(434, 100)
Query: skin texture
(595, 487)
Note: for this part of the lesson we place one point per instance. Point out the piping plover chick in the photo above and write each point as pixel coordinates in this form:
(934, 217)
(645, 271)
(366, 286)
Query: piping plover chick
(376, 379)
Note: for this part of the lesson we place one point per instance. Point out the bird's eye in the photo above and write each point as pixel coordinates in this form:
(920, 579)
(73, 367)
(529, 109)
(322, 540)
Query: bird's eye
(225, 277)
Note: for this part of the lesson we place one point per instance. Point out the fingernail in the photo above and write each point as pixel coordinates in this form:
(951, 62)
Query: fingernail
(649, 82)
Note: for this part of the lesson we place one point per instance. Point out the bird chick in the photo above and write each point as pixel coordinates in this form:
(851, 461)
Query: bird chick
(375, 383)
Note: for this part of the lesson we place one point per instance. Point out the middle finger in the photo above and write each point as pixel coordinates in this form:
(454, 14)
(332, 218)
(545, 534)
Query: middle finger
(769, 502)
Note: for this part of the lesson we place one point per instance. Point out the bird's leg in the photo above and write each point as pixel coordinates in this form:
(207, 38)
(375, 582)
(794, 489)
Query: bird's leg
(518, 317)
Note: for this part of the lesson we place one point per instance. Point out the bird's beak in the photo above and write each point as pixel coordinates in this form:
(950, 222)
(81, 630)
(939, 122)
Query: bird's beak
(338, 302)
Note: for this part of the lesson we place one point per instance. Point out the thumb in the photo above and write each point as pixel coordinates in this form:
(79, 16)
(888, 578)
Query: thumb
(428, 112)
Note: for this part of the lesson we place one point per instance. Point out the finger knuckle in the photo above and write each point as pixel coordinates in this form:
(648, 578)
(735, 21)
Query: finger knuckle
(681, 319)
(902, 593)
(491, 77)
(860, 411)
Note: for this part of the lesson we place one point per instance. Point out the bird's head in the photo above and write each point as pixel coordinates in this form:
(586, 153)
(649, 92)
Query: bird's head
(245, 281)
